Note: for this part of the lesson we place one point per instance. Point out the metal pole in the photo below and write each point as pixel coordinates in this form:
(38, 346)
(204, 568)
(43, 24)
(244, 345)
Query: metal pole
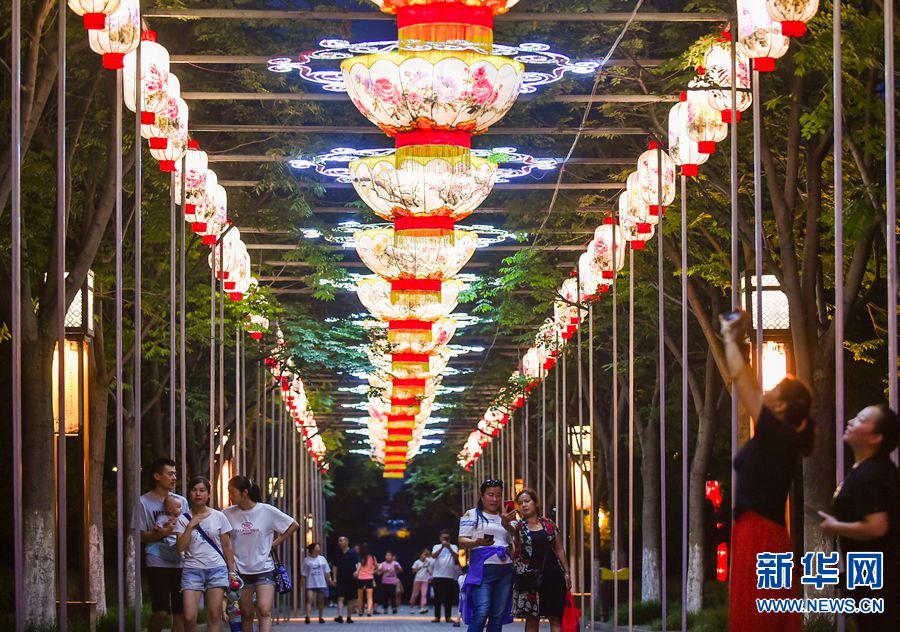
(614, 528)
(172, 282)
(62, 551)
(661, 329)
(890, 161)
(838, 123)
(525, 448)
(631, 438)
(735, 210)
(556, 453)
(757, 223)
(542, 470)
(212, 371)
(222, 439)
(564, 462)
(579, 486)
(295, 595)
(15, 145)
(138, 332)
(684, 407)
(120, 411)
(592, 516)
(238, 403)
(244, 437)
(182, 368)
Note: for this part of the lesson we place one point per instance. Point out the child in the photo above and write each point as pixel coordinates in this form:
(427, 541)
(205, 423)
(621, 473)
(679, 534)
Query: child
(389, 569)
(461, 580)
(316, 570)
(422, 568)
(165, 548)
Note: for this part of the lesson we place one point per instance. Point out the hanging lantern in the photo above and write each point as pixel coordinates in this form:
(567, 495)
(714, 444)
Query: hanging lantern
(93, 11)
(759, 38)
(154, 78)
(432, 89)
(155, 129)
(607, 250)
(195, 163)
(172, 142)
(792, 15)
(717, 63)
(682, 149)
(213, 216)
(704, 124)
(419, 257)
(632, 204)
(232, 250)
(636, 233)
(419, 336)
(648, 179)
(194, 214)
(119, 36)
(256, 325)
(376, 296)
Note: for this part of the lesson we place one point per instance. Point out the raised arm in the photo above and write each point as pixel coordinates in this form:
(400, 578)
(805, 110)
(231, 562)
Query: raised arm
(743, 376)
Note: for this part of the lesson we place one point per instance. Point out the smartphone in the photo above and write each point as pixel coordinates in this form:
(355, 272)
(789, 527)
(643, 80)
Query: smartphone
(508, 505)
(730, 317)
(489, 538)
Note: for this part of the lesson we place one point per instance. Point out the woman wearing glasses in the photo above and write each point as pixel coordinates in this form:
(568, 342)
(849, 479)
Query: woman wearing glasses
(488, 585)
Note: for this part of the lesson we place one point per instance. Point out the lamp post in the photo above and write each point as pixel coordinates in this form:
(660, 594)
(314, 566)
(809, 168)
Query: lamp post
(777, 361)
(79, 323)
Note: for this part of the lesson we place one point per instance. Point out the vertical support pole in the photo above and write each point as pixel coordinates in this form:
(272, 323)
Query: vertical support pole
(120, 411)
(661, 328)
(212, 372)
(757, 224)
(564, 456)
(838, 123)
(15, 145)
(890, 199)
(294, 491)
(592, 515)
(525, 446)
(542, 442)
(222, 439)
(62, 549)
(614, 529)
(630, 438)
(684, 407)
(182, 366)
(172, 291)
(138, 329)
(578, 487)
(238, 402)
(735, 210)
(556, 447)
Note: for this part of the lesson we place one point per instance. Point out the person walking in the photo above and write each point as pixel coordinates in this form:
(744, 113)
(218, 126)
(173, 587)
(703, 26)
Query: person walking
(163, 569)
(257, 528)
(865, 511)
(444, 572)
(488, 585)
(365, 581)
(317, 576)
(203, 537)
(764, 471)
(389, 571)
(422, 578)
(542, 569)
(343, 575)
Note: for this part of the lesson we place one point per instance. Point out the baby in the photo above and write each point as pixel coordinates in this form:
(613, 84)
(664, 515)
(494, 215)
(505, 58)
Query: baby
(165, 548)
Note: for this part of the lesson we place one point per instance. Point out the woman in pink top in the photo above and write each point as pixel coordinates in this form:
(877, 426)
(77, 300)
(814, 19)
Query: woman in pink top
(365, 580)
(389, 570)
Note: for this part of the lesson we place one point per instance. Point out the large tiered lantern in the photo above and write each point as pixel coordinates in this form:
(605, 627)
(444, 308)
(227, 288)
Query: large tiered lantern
(682, 148)
(154, 78)
(704, 124)
(792, 15)
(119, 36)
(94, 12)
(717, 63)
(649, 178)
(759, 37)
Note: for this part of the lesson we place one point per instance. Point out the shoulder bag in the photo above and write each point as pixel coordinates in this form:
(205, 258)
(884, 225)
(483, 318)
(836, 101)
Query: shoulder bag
(283, 582)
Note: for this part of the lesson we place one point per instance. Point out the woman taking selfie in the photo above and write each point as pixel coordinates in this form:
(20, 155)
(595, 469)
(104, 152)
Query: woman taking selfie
(764, 471)
(203, 537)
(488, 585)
(542, 570)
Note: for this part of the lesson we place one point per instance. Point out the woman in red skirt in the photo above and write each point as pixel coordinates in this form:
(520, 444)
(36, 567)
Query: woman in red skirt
(764, 470)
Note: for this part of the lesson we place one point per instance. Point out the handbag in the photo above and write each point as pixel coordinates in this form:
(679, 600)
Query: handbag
(571, 615)
(283, 582)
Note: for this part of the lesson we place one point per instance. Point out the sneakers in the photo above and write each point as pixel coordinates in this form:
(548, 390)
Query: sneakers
(349, 620)
(412, 611)
(438, 620)
(423, 610)
(306, 620)
(339, 619)
(321, 620)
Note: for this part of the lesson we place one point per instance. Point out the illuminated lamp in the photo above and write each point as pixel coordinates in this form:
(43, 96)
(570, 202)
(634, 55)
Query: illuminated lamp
(195, 214)
(759, 37)
(722, 562)
(94, 12)
(196, 164)
(590, 279)
(717, 62)
(154, 78)
(682, 149)
(607, 250)
(704, 123)
(648, 180)
(419, 256)
(714, 494)
(432, 89)
(376, 296)
(792, 15)
(170, 143)
(119, 36)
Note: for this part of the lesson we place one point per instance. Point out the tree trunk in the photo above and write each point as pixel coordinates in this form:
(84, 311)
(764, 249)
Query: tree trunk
(99, 405)
(38, 488)
(650, 508)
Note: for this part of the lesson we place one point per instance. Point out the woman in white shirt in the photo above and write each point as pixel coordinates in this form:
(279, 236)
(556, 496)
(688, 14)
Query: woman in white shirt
(256, 526)
(422, 569)
(489, 581)
(317, 573)
(208, 559)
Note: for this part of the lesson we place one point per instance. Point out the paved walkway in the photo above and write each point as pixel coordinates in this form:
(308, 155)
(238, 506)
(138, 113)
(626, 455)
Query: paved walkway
(400, 622)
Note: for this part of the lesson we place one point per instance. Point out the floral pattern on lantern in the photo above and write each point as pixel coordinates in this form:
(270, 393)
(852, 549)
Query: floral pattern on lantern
(682, 149)
(212, 217)
(154, 77)
(196, 163)
(648, 178)
(792, 15)
(172, 142)
(120, 35)
(452, 186)
(704, 124)
(401, 340)
(759, 37)
(717, 63)
(433, 259)
(432, 90)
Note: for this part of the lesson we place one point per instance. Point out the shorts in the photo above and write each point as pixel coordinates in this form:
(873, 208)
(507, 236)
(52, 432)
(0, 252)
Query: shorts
(258, 579)
(365, 583)
(346, 592)
(321, 591)
(165, 589)
(203, 579)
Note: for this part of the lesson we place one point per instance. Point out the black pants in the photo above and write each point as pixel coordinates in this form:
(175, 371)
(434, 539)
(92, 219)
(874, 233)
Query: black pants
(445, 593)
(389, 596)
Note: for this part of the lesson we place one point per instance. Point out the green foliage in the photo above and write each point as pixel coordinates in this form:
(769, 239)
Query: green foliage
(434, 482)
